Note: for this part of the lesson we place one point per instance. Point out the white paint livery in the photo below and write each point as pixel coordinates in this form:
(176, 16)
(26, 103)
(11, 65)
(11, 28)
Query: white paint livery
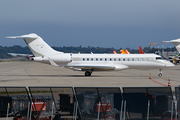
(91, 62)
(176, 43)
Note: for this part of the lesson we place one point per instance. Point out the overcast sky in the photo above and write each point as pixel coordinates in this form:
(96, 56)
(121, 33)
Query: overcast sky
(96, 23)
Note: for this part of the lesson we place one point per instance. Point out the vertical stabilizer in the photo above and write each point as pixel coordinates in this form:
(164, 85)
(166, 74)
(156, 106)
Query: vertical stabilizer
(176, 44)
(37, 45)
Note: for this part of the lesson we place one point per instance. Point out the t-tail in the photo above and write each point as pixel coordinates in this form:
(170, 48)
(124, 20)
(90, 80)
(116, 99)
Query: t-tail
(37, 45)
(176, 43)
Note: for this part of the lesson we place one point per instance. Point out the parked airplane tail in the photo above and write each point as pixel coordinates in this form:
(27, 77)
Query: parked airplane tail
(122, 51)
(141, 51)
(114, 52)
(176, 43)
(127, 51)
(37, 45)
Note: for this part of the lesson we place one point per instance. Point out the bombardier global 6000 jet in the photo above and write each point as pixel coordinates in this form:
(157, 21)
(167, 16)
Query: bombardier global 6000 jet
(91, 62)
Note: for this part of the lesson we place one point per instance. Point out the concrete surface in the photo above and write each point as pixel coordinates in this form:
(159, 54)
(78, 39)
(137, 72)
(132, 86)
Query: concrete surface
(37, 74)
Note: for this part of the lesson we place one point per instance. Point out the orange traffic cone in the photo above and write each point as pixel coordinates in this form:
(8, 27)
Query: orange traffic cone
(150, 76)
(169, 84)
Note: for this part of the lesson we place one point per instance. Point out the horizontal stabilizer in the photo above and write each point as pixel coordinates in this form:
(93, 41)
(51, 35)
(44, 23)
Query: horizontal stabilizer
(32, 35)
(172, 41)
(17, 54)
(176, 43)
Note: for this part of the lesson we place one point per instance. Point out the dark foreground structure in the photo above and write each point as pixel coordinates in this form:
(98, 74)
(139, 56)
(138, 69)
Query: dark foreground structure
(89, 103)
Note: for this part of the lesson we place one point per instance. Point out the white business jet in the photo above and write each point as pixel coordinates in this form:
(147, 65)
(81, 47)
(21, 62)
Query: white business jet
(91, 62)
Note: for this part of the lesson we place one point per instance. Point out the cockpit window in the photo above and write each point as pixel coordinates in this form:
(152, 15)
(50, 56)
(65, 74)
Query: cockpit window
(158, 58)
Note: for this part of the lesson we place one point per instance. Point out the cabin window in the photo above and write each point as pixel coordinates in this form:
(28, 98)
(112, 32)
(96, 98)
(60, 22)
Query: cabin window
(119, 59)
(87, 59)
(123, 59)
(105, 59)
(132, 59)
(146, 59)
(137, 59)
(100, 59)
(83, 59)
(91, 59)
(114, 59)
(110, 59)
(128, 59)
(142, 59)
(158, 58)
(96, 59)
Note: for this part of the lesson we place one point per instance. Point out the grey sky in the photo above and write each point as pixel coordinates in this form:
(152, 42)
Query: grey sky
(103, 23)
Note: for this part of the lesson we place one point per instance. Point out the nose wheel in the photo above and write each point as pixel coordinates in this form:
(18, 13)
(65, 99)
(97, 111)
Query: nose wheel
(88, 73)
(160, 73)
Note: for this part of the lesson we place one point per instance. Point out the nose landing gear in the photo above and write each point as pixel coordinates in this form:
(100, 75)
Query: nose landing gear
(160, 73)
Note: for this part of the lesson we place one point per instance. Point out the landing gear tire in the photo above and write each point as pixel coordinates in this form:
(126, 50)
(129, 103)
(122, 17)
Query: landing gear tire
(160, 74)
(87, 73)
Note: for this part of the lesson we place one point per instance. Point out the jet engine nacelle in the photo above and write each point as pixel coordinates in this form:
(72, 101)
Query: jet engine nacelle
(39, 59)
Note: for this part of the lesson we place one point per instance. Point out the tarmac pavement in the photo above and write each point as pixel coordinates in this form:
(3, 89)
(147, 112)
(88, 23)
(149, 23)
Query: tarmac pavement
(30, 73)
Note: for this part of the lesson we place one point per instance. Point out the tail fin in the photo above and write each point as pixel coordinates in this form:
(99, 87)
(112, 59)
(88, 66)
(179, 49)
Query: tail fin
(127, 51)
(141, 51)
(36, 44)
(114, 52)
(122, 51)
(176, 43)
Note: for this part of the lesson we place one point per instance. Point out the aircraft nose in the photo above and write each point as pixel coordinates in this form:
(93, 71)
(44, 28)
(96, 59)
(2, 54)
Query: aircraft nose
(169, 64)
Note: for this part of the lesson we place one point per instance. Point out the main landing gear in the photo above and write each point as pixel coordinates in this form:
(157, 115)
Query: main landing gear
(160, 73)
(88, 73)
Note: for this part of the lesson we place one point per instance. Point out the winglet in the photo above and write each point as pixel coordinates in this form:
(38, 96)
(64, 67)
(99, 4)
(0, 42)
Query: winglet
(52, 62)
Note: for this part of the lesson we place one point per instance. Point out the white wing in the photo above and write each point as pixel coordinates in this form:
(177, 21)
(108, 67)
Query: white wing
(92, 67)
